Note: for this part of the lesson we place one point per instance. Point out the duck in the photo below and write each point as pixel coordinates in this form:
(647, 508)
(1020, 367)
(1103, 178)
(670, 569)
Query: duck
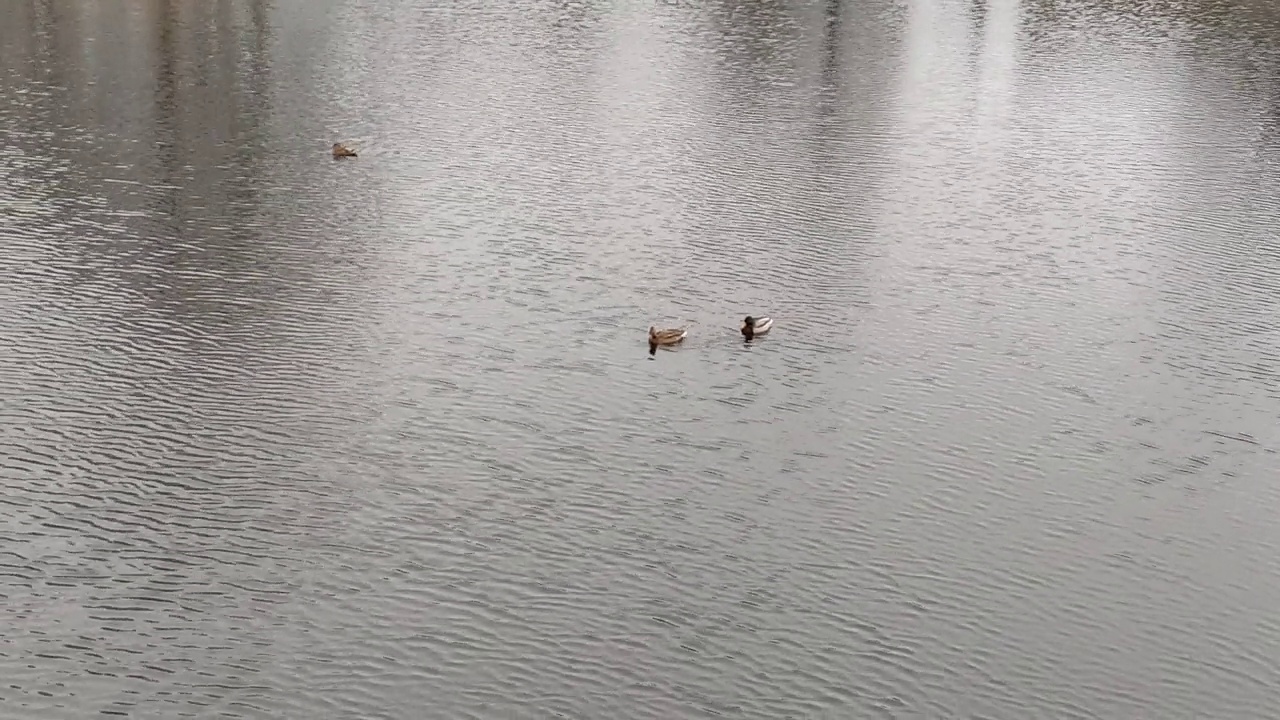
(665, 337)
(341, 151)
(753, 326)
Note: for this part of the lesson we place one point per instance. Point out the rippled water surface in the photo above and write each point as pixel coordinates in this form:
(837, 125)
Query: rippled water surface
(284, 437)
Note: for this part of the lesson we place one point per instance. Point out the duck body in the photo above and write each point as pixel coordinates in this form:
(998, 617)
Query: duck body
(753, 326)
(665, 337)
(341, 151)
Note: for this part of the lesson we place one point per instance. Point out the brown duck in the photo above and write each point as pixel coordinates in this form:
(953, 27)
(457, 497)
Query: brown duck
(665, 337)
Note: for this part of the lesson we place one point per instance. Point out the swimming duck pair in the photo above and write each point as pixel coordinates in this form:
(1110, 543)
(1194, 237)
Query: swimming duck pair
(751, 327)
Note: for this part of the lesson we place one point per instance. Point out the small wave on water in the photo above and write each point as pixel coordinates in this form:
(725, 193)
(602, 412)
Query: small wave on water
(282, 436)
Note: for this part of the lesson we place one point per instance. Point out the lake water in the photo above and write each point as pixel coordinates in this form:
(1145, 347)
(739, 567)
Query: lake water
(284, 437)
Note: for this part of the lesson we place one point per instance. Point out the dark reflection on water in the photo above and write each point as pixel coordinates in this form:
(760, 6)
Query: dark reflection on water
(283, 436)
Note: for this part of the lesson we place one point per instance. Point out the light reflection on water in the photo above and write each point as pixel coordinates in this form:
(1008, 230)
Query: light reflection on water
(378, 438)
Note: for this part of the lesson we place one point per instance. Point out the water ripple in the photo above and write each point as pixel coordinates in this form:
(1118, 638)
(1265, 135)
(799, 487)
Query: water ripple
(285, 436)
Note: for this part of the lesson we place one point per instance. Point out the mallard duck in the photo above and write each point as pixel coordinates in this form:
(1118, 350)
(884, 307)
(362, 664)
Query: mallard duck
(665, 337)
(754, 326)
(341, 151)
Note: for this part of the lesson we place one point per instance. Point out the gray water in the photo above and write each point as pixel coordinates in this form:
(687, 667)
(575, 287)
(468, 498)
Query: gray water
(284, 437)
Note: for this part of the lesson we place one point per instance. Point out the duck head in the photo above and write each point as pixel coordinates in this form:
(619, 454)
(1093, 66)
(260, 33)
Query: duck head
(749, 327)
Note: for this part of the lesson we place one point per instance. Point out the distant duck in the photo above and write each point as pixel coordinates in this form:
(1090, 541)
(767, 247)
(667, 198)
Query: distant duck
(341, 151)
(753, 326)
(665, 337)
